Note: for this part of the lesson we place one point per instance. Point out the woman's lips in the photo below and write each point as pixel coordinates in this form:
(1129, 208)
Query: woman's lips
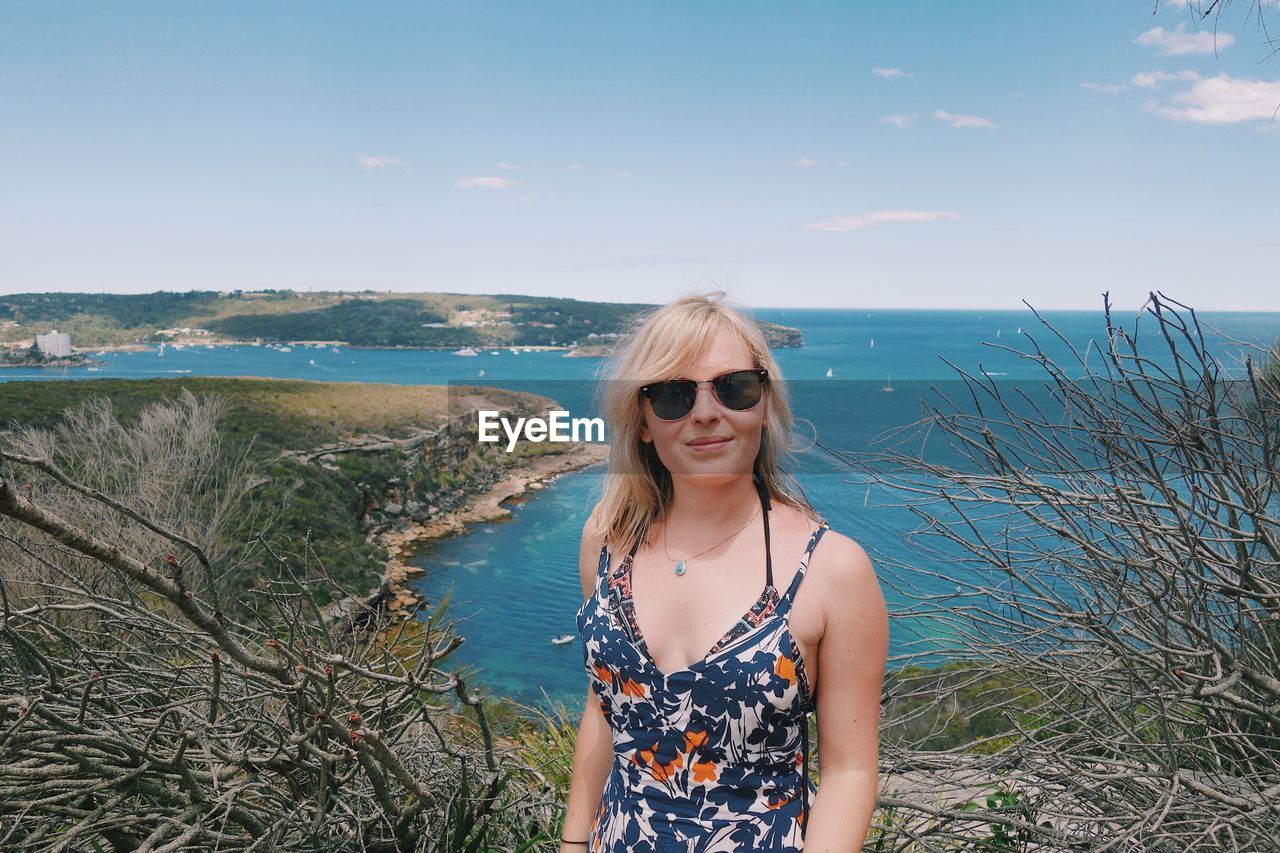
(709, 447)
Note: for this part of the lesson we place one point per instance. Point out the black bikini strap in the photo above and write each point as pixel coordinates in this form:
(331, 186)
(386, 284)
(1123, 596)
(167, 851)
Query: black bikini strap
(765, 505)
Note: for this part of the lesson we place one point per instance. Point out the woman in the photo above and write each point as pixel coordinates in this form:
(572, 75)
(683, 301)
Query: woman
(681, 748)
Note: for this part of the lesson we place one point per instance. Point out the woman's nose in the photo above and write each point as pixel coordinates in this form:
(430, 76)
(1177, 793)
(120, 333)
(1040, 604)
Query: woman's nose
(705, 405)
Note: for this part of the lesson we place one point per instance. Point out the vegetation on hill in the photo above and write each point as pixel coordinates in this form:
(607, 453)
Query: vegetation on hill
(139, 710)
(364, 319)
(265, 425)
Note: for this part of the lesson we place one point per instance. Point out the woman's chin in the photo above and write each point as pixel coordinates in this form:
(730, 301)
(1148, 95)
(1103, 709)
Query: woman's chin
(711, 475)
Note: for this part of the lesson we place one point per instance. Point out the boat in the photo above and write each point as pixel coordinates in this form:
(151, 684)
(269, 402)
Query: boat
(562, 639)
(997, 333)
(311, 361)
(93, 369)
(465, 351)
(493, 352)
(888, 385)
(161, 352)
(828, 372)
(286, 349)
(873, 344)
(336, 351)
(482, 372)
(526, 349)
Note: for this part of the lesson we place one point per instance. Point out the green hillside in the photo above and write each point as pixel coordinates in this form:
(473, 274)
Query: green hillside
(364, 319)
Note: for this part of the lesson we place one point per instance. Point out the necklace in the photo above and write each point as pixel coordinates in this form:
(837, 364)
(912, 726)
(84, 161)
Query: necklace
(680, 564)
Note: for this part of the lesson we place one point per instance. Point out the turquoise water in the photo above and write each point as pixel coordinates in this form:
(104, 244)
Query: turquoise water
(515, 583)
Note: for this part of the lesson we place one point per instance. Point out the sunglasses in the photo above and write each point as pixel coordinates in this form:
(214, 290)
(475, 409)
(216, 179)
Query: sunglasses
(738, 390)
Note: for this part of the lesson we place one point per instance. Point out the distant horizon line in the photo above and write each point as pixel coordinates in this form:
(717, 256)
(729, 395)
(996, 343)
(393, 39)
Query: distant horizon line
(340, 291)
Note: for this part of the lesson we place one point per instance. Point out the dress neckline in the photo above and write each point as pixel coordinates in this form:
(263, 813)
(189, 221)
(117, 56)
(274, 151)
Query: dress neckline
(758, 613)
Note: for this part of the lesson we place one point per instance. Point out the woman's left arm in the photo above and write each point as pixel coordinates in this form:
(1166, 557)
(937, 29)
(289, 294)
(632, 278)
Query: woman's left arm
(851, 664)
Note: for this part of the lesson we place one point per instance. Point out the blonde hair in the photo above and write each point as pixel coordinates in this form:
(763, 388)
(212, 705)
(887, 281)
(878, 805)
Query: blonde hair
(663, 344)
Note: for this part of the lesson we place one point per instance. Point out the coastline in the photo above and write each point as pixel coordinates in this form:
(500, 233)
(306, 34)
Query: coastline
(195, 343)
(528, 474)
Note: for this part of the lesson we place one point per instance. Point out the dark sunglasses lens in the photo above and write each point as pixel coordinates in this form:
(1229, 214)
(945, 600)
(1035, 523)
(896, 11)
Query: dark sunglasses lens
(740, 390)
(671, 400)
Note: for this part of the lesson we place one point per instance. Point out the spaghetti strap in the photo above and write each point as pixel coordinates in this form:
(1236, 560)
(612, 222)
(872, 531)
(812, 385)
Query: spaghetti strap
(765, 506)
(814, 538)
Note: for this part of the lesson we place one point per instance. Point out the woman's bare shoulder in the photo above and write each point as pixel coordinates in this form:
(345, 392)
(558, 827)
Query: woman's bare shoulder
(795, 520)
(841, 567)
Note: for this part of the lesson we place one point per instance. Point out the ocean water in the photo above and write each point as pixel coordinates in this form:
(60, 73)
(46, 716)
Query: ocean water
(513, 584)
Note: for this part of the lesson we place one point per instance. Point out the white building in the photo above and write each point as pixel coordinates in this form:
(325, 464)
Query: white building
(56, 344)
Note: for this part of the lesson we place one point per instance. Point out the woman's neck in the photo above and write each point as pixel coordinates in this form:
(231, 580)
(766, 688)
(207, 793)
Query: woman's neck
(711, 506)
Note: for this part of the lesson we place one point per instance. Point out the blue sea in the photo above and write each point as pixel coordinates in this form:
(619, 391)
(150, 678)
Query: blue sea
(514, 584)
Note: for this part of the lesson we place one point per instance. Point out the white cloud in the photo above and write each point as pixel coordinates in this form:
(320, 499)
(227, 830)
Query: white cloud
(489, 183)
(1104, 88)
(897, 120)
(889, 73)
(871, 220)
(504, 165)
(1223, 100)
(1153, 79)
(1179, 42)
(957, 120)
(806, 162)
(1143, 80)
(373, 163)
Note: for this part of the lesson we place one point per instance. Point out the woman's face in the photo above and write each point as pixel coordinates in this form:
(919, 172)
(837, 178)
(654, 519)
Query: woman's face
(677, 442)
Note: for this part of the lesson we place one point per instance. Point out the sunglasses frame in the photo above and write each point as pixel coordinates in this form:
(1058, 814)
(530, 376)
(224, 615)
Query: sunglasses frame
(762, 372)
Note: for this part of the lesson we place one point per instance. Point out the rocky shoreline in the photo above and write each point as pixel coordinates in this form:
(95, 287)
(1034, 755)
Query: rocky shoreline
(401, 540)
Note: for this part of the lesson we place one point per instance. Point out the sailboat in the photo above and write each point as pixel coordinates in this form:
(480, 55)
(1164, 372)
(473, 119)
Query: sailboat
(888, 386)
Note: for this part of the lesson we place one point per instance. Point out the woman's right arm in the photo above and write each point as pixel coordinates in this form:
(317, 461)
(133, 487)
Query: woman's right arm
(593, 754)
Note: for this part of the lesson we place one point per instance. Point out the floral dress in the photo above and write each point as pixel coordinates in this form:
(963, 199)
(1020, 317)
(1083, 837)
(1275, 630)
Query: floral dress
(707, 758)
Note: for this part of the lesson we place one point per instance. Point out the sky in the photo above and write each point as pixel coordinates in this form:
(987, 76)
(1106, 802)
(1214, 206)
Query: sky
(888, 155)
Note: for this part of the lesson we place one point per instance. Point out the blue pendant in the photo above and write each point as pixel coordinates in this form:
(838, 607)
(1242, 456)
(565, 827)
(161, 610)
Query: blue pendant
(680, 568)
